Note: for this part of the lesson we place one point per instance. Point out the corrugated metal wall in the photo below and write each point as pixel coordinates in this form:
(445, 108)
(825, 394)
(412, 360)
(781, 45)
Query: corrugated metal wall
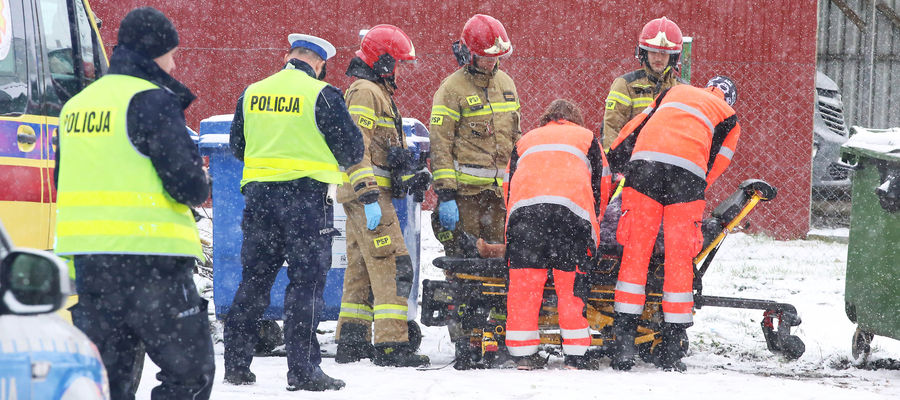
(859, 39)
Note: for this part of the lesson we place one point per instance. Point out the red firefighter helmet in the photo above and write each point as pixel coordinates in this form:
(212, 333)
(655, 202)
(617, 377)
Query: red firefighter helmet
(484, 36)
(385, 40)
(661, 35)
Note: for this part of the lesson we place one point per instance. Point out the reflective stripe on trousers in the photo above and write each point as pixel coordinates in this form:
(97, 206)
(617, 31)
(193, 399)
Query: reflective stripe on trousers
(391, 311)
(630, 298)
(522, 343)
(358, 311)
(575, 342)
(678, 307)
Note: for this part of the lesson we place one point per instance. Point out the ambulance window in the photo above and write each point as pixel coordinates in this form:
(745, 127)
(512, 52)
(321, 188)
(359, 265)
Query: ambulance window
(13, 56)
(54, 23)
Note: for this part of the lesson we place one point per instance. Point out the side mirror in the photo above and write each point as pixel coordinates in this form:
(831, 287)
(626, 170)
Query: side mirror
(33, 282)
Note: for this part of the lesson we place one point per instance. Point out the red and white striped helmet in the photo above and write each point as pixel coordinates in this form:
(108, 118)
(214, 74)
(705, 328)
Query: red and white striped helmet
(662, 36)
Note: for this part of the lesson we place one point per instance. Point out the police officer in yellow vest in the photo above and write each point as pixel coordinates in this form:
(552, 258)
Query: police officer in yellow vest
(127, 174)
(294, 134)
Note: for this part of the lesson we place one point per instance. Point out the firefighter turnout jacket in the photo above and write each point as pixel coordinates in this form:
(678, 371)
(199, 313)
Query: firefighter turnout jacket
(629, 95)
(379, 273)
(374, 112)
(474, 124)
(121, 210)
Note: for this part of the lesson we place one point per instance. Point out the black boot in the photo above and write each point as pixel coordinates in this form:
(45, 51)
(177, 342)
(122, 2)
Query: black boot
(353, 344)
(398, 355)
(464, 359)
(529, 363)
(240, 376)
(578, 362)
(670, 351)
(317, 381)
(624, 350)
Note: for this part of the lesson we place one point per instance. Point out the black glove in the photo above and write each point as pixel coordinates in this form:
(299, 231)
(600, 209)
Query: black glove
(399, 161)
(196, 214)
(419, 183)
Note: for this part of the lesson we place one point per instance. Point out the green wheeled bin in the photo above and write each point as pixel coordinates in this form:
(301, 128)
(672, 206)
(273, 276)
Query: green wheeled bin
(872, 294)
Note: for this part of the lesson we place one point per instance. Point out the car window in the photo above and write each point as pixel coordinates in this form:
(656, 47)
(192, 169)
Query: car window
(86, 42)
(13, 68)
(67, 77)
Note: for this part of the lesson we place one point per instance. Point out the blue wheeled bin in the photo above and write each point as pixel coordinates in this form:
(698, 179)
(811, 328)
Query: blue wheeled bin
(228, 206)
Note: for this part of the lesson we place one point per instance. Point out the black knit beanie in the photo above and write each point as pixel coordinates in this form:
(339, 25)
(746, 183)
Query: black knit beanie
(147, 31)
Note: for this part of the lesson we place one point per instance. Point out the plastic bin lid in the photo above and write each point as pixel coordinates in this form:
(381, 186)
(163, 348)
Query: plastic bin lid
(883, 144)
(194, 136)
(215, 130)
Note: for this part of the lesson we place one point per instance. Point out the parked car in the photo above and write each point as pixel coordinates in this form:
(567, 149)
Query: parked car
(41, 355)
(830, 175)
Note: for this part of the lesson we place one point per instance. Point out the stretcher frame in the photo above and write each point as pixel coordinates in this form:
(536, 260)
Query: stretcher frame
(474, 295)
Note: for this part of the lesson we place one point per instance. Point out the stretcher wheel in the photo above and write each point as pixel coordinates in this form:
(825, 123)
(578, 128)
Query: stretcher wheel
(793, 347)
(415, 335)
(861, 346)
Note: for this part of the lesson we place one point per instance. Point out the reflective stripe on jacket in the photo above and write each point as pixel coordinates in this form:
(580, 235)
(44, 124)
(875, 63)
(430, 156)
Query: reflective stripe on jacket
(283, 140)
(110, 199)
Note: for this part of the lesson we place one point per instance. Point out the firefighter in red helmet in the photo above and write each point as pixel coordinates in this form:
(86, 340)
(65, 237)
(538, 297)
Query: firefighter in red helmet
(379, 275)
(474, 125)
(658, 49)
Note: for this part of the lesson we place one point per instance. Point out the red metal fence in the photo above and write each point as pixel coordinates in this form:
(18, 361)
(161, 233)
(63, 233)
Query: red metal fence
(568, 48)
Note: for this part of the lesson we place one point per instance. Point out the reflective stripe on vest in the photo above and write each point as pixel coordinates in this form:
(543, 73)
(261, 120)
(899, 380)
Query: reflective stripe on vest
(692, 111)
(560, 147)
(110, 199)
(283, 140)
(671, 160)
(726, 152)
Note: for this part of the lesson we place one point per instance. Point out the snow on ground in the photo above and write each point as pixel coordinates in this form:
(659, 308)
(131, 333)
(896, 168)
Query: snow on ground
(728, 353)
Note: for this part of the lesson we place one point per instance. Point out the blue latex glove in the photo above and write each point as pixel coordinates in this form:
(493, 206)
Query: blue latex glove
(373, 215)
(449, 214)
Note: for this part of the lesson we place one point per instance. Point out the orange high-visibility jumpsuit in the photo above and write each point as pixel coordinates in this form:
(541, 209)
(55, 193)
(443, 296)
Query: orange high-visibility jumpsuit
(558, 182)
(670, 154)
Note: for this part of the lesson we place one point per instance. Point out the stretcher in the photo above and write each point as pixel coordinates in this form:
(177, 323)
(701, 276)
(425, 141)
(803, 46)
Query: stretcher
(473, 297)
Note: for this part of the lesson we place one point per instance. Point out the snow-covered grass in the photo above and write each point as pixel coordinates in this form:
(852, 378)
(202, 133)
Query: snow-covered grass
(728, 353)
